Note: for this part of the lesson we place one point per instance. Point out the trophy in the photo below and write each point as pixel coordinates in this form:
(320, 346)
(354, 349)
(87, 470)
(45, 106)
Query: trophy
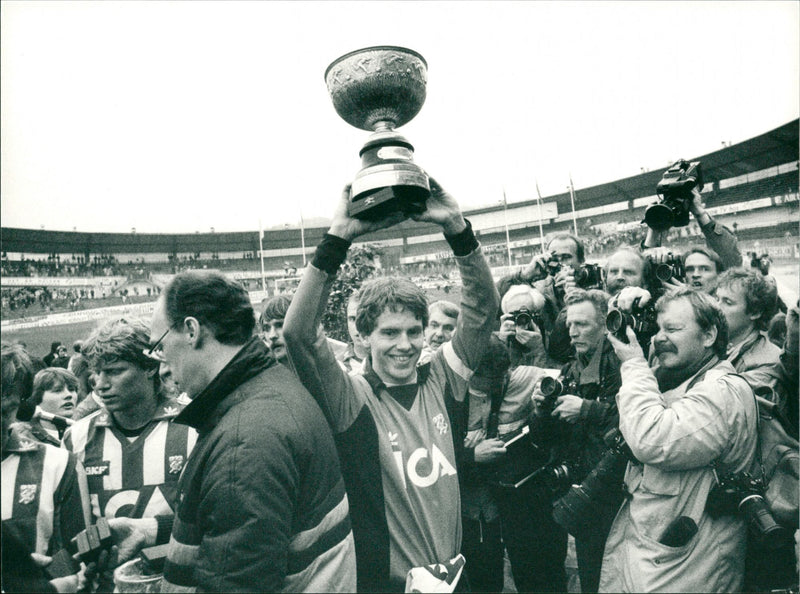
(379, 89)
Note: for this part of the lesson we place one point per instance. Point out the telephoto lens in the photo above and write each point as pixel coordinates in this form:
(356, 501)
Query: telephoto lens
(762, 524)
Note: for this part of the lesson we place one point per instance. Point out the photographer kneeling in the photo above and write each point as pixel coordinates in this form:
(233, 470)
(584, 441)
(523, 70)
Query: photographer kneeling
(687, 420)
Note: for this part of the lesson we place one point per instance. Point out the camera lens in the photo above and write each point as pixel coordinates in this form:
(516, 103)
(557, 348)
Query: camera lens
(659, 217)
(523, 319)
(550, 386)
(762, 524)
(615, 321)
(664, 272)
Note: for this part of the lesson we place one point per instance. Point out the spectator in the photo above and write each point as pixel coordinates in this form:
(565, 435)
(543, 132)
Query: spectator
(262, 504)
(685, 420)
(352, 360)
(79, 366)
(55, 391)
(54, 354)
(132, 451)
(442, 319)
(396, 422)
(44, 503)
(271, 324)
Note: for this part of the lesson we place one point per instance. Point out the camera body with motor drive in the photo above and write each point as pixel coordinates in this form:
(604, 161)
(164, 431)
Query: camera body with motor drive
(743, 494)
(587, 276)
(643, 320)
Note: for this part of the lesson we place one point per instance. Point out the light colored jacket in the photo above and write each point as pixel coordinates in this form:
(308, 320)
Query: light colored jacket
(676, 436)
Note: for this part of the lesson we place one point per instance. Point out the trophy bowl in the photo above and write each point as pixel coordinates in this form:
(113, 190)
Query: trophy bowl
(380, 87)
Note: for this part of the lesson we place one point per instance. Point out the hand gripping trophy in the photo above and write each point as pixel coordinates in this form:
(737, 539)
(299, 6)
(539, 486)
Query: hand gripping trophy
(379, 89)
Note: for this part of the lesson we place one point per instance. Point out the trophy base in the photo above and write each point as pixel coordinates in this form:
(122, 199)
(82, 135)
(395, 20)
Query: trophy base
(380, 203)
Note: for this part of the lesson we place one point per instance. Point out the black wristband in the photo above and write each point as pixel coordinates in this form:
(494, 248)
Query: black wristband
(463, 243)
(330, 254)
(164, 528)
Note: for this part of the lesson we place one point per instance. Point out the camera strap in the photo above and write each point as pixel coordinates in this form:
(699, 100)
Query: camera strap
(496, 402)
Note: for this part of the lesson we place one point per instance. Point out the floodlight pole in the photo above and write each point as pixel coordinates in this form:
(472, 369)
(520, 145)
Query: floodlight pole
(505, 220)
(261, 255)
(541, 230)
(572, 201)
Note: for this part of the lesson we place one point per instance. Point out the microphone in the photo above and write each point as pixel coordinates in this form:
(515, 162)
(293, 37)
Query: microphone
(28, 411)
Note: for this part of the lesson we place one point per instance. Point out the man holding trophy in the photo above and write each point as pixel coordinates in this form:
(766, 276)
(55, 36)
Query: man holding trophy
(399, 428)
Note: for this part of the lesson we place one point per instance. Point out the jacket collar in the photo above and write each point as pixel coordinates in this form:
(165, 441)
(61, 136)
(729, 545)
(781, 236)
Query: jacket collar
(376, 383)
(20, 441)
(204, 411)
(737, 350)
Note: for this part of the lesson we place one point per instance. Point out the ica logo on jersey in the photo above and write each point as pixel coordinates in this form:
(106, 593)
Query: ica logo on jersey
(423, 467)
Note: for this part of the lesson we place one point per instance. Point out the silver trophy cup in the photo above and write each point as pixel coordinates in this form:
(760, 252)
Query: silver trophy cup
(379, 89)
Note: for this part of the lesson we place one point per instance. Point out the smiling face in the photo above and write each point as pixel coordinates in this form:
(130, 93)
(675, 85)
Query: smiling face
(680, 342)
(396, 344)
(586, 328)
(59, 402)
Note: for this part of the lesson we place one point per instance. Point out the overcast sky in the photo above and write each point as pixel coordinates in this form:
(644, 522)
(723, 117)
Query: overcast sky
(182, 116)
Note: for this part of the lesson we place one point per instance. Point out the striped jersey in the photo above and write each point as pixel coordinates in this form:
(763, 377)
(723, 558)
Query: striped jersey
(135, 478)
(44, 495)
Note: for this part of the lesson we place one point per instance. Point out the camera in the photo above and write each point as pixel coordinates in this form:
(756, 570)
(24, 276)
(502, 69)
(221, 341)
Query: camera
(551, 388)
(743, 494)
(643, 320)
(524, 318)
(670, 268)
(557, 478)
(675, 189)
(587, 276)
(577, 511)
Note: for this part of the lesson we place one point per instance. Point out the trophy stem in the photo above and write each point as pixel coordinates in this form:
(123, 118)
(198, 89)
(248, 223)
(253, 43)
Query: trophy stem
(383, 126)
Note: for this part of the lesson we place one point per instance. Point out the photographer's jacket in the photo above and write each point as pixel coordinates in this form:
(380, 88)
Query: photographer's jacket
(676, 436)
(396, 444)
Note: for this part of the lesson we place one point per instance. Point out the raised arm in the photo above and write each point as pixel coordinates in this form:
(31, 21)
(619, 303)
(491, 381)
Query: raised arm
(479, 299)
(308, 350)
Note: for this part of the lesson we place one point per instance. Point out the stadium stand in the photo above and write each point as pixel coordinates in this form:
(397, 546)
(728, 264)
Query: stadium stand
(751, 186)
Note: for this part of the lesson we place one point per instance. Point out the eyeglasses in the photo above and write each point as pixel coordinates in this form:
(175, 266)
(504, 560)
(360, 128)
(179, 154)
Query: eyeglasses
(156, 351)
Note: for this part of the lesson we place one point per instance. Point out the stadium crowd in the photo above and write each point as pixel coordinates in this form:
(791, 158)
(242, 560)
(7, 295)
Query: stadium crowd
(218, 448)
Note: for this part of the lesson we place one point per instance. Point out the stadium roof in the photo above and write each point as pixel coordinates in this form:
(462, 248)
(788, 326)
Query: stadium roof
(776, 147)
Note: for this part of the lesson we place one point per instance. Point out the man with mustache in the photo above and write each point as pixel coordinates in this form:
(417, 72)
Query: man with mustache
(687, 420)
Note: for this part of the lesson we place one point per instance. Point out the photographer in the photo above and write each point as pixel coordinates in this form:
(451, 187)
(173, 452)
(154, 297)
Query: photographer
(719, 238)
(556, 272)
(686, 413)
(507, 459)
(520, 326)
(591, 412)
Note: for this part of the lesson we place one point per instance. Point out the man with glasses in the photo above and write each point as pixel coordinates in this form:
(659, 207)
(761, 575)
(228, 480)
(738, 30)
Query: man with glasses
(261, 505)
(132, 452)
